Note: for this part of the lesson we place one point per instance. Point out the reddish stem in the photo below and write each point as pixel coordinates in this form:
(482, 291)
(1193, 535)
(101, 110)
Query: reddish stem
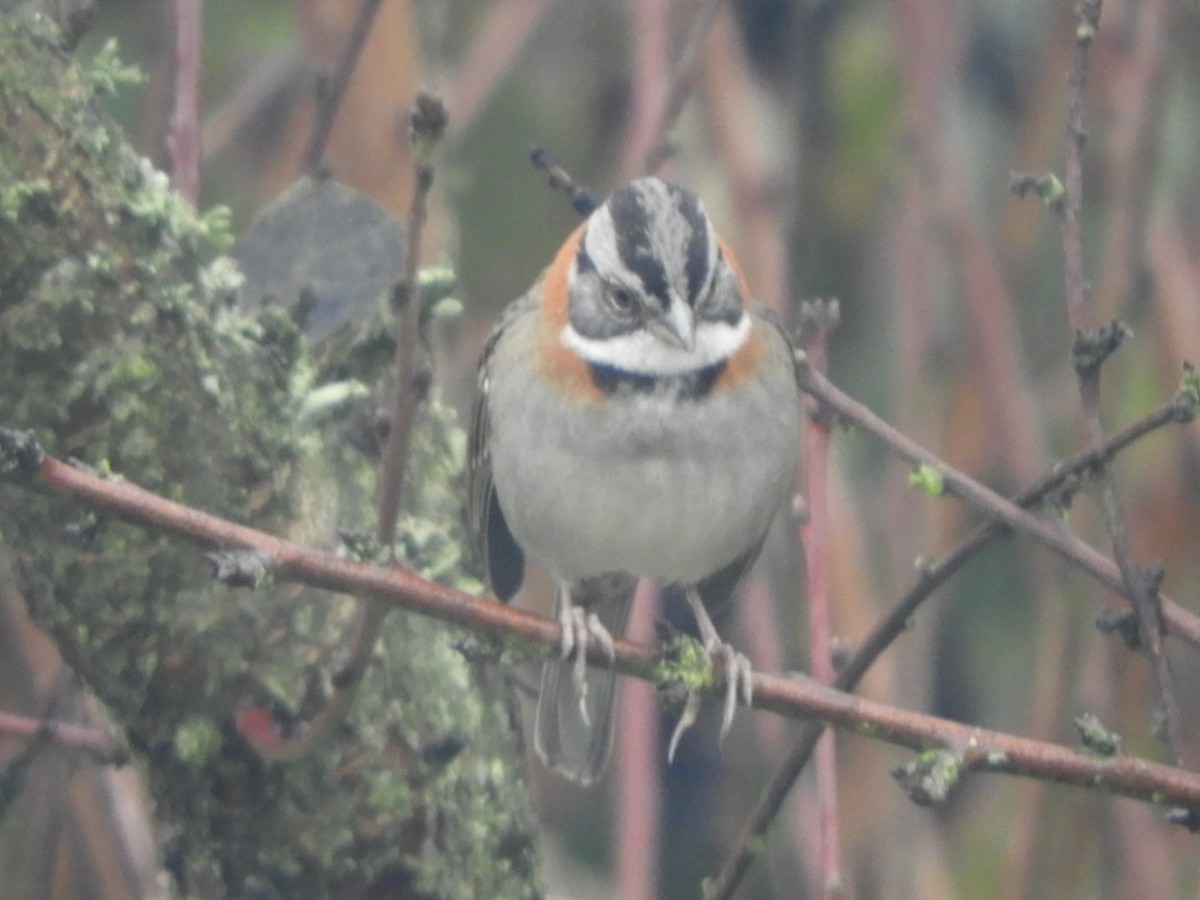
(335, 90)
(639, 788)
(814, 534)
(1136, 582)
(184, 139)
(90, 740)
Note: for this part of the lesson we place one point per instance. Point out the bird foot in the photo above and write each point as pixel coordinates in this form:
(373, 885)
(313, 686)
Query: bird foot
(580, 630)
(738, 682)
(738, 686)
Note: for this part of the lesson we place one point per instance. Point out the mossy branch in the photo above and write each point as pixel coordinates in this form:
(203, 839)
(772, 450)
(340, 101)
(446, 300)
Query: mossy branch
(122, 342)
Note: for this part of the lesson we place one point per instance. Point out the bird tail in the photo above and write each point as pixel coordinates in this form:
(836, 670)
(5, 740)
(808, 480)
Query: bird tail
(575, 746)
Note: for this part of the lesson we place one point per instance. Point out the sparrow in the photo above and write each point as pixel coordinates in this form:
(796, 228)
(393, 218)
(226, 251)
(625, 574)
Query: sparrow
(636, 416)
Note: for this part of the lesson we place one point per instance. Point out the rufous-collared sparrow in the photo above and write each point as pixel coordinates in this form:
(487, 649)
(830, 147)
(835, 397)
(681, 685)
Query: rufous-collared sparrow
(636, 416)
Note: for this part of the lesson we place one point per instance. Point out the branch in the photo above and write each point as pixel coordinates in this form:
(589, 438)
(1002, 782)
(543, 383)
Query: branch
(817, 320)
(560, 180)
(1090, 349)
(427, 123)
(335, 88)
(973, 749)
(184, 138)
(426, 126)
(1066, 544)
(92, 741)
(648, 148)
(1181, 408)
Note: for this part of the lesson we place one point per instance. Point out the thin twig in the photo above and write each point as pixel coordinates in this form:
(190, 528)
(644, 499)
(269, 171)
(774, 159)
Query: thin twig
(1087, 19)
(649, 73)
(334, 89)
(646, 155)
(934, 575)
(560, 179)
(91, 741)
(973, 749)
(1180, 622)
(497, 44)
(898, 619)
(818, 319)
(1138, 583)
(427, 124)
(1137, 135)
(184, 139)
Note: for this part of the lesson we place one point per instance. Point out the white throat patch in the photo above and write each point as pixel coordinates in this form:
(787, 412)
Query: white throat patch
(641, 353)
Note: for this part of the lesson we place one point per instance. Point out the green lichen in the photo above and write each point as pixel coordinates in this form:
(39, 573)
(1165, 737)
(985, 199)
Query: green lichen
(197, 741)
(106, 74)
(19, 196)
(117, 331)
(1095, 737)
(930, 777)
(164, 216)
(1187, 397)
(686, 665)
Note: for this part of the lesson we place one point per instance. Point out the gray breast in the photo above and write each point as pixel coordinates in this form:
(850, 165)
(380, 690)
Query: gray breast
(644, 483)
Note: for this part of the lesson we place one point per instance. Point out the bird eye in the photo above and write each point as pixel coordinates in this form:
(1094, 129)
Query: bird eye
(622, 298)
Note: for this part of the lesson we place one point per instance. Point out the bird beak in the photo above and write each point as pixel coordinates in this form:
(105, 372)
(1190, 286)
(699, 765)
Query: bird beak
(676, 326)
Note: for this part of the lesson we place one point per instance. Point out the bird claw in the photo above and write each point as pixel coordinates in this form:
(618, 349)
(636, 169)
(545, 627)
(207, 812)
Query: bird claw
(738, 686)
(738, 683)
(687, 719)
(580, 630)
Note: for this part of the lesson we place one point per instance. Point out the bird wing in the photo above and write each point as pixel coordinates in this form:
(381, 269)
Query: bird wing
(495, 547)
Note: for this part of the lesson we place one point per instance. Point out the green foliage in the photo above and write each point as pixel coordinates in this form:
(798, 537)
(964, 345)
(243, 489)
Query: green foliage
(197, 741)
(117, 325)
(928, 480)
(107, 74)
(17, 197)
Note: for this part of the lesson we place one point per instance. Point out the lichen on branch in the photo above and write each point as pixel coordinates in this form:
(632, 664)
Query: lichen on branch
(122, 343)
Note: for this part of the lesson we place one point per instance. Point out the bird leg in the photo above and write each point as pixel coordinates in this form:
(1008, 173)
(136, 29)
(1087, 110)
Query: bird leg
(581, 629)
(738, 674)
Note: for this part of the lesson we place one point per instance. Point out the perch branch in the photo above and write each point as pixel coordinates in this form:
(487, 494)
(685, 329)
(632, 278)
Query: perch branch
(974, 749)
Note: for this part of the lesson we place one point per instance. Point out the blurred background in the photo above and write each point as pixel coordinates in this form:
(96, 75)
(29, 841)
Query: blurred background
(851, 149)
